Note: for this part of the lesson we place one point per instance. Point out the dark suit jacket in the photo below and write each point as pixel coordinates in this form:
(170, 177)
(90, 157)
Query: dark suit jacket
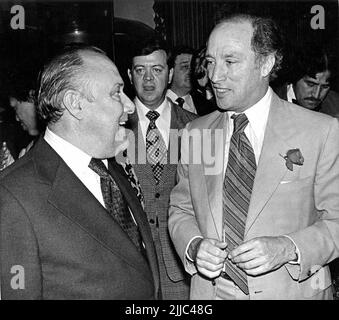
(157, 196)
(68, 245)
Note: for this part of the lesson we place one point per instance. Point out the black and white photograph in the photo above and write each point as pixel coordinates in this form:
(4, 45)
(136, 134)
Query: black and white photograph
(169, 150)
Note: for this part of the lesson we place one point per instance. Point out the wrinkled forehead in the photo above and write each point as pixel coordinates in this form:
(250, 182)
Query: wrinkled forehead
(237, 34)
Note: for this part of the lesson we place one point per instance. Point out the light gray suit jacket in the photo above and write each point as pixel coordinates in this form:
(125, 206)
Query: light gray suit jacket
(303, 203)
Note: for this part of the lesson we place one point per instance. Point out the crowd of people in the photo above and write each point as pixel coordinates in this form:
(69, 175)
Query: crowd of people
(210, 183)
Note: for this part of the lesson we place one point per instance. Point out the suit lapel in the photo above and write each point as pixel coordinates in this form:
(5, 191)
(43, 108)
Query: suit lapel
(72, 199)
(139, 216)
(214, 177)
(271, 167)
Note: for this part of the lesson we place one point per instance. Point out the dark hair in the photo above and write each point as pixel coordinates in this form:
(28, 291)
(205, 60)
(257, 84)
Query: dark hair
(21, 81)
(309, 59)
(148, 46)
(178, 50)
(266, 39)
(63, 72)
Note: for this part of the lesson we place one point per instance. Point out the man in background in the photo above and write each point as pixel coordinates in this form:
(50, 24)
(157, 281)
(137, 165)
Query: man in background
(181, 83)
(152, 122)
(312, 70)
(71, 224)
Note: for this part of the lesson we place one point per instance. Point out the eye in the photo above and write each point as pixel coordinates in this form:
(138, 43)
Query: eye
(157, 70)
(230, 62)
(139, 71)
(209, 63)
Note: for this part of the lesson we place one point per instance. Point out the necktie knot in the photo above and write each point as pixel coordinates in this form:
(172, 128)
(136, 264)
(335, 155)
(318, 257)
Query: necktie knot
(240, 122)
(99, 168)
(180, 102)
(152, 115)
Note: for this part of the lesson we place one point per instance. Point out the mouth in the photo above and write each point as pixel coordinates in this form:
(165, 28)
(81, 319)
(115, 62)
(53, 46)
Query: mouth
(149, 88)
(221, 91)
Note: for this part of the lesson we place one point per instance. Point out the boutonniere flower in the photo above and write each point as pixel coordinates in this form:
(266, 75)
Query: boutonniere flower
(293, 156)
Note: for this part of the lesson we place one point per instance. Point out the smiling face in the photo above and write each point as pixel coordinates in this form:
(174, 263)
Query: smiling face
(237, 78)
(311, 92)
(101, 117)
(150, 77)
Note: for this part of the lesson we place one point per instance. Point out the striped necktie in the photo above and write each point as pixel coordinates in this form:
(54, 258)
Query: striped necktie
(237, 189)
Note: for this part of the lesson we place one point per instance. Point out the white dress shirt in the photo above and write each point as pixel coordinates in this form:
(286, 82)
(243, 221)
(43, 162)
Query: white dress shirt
(78, 161)
(290, 93)
(163, 122)
(188, 104)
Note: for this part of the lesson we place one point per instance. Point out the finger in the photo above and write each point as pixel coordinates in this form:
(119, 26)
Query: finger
(208, 273)
(244, 257)
(253, 264)
(257, 271)
(211, 258)
(209, 266)
(244, 247)
(211, 249)
(221, 245)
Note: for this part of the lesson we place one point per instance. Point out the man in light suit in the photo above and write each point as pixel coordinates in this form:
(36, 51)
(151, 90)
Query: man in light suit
(61, 238)
(150, 75)
(269, 230)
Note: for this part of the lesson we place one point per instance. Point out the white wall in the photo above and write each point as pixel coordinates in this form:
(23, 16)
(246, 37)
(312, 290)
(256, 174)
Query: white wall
(141, 10)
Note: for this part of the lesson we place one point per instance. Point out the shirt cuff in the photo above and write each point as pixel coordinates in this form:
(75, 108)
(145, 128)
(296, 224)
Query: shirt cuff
(296, 251)
(186, 251)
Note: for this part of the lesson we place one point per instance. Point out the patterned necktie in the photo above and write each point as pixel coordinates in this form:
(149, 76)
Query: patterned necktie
(238, 184)
(115, 202)
(180, 101)
(155, 146)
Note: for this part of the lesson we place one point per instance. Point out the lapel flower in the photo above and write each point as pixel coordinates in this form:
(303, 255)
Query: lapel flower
(293, 156)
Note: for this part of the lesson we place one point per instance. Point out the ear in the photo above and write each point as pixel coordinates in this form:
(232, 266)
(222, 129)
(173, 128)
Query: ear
(267, 65)
(170, 75)
(130, 75)
(72, 102)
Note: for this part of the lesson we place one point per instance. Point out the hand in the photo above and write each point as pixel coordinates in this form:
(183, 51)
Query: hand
(263, 254)
(210, 257)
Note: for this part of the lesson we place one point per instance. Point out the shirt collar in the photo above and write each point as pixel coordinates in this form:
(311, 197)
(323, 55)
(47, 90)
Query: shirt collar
(290, 93)
(257, 115)
(143, 110)
(73, 156)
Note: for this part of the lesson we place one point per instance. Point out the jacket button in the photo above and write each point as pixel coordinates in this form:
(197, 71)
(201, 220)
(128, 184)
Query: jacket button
(151, 221)
(157, 195)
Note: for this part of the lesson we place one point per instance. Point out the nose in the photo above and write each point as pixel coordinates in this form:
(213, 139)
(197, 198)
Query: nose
(127, 104)
(216, 73)
(148, 75)
(317, 92)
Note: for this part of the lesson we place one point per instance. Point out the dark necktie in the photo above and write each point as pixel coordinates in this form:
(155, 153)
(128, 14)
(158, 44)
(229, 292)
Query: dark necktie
(237, 190)
(180, 101)
(155, 146)
(115, 202)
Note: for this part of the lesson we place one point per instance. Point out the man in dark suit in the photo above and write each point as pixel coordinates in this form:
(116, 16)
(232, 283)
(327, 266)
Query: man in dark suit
(71, 224)
(153, 122)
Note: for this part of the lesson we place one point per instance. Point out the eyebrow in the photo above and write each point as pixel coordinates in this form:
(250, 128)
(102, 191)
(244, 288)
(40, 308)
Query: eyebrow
(153, 65)
(312, 80)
